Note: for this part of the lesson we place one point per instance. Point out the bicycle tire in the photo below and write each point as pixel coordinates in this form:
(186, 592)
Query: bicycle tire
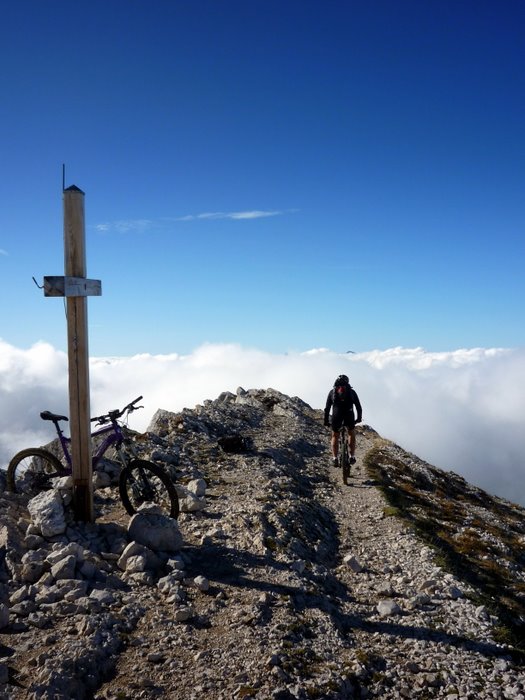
(346, 469)
(345, 459)
(144, 482)
(30, 471)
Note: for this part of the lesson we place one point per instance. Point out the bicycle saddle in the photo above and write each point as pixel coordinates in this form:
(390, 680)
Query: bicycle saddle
(47, 415)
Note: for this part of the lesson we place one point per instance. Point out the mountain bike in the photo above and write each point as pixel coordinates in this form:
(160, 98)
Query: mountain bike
(32, 470)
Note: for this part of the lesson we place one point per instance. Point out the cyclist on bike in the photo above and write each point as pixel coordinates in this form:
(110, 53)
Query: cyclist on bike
(341, 400)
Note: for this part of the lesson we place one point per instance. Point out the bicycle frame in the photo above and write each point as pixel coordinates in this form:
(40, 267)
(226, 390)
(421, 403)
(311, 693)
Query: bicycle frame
(115, 436)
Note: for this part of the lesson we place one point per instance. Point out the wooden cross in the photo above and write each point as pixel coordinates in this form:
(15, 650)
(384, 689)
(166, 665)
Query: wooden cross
(76, 288)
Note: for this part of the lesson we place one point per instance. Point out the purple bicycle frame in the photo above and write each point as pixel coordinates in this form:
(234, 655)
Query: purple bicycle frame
(115, 436)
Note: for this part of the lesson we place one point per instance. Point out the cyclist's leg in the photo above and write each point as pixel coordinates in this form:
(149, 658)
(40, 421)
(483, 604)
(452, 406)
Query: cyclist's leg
(350, 424)
(337, 424)
(335, 444)
(351, 442)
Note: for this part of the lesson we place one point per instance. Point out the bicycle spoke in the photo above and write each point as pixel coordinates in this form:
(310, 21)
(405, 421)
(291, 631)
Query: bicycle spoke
(32, 471)
(143, 484)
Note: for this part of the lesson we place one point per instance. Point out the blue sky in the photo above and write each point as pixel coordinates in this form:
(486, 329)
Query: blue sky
(283, 175)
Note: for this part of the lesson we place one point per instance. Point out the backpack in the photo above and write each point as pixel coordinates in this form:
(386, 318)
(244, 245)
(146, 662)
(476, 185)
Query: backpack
(342, 393)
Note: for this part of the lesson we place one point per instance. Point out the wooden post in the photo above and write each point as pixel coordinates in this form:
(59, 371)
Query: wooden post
(77, 338)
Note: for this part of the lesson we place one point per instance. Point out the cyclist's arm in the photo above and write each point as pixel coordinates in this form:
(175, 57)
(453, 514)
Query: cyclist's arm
(328, 406)
(357, 405)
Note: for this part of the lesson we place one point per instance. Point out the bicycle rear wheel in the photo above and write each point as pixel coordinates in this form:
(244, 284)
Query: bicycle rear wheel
(30, 471)
(142, 482)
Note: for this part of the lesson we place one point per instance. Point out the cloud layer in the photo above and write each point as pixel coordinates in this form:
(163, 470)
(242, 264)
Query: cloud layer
(461, 411)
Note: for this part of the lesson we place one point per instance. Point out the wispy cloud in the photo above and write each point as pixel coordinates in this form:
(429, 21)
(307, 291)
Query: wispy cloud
(141, 225)
(3, 252)
(126, 225)
(235, 215)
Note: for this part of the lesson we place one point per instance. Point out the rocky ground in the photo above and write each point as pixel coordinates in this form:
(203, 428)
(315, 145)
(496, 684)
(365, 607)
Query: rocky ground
(287, 583)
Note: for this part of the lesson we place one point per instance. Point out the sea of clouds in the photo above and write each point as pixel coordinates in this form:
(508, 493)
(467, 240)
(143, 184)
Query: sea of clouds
(461, 411)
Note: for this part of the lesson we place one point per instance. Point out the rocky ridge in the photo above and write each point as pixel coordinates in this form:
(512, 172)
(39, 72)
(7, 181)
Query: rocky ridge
(277, 581)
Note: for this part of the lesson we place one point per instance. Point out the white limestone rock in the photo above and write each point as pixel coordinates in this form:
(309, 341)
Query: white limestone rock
(47, 513)
(155, 531)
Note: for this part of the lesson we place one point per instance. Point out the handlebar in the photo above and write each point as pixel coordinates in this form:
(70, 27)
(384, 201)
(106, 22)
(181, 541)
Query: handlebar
(116, 413)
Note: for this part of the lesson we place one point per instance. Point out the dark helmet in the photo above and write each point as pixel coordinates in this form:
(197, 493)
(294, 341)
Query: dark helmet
(341, 379)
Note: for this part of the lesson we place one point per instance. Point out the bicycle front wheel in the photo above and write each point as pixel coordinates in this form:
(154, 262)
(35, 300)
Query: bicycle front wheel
(30, 471)
(345, 461)
(143, 482)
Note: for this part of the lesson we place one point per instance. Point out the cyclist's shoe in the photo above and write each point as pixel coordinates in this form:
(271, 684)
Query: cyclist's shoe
(352, 460)
(335, 462)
